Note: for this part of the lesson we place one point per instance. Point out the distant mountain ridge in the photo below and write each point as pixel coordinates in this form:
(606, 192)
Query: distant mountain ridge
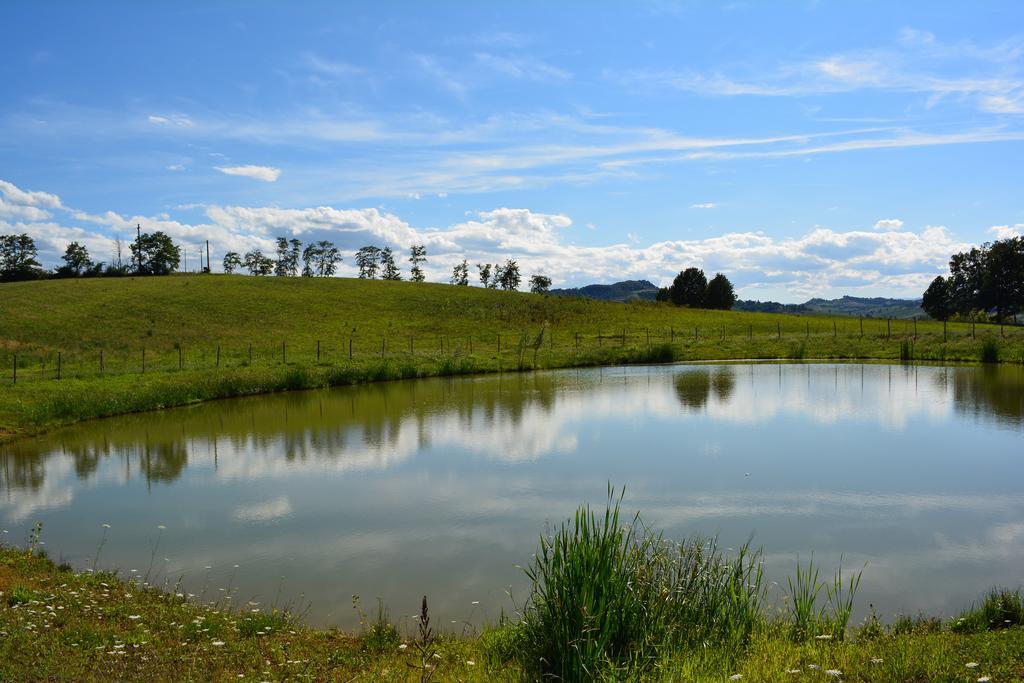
(623, 292)
(868, 307)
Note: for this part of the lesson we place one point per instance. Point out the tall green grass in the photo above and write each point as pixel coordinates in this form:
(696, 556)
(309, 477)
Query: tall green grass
(609, 599)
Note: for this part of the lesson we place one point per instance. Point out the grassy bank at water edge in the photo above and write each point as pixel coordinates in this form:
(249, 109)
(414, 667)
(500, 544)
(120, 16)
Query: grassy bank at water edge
(80, 349)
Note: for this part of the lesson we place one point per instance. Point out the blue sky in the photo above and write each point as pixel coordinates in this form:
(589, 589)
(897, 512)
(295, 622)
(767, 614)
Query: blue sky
(803, 148)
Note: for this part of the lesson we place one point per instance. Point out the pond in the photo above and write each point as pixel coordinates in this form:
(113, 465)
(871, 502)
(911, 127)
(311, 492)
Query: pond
(443, 486)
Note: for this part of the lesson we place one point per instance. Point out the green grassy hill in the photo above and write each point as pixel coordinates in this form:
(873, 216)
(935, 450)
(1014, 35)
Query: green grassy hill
(128, 344)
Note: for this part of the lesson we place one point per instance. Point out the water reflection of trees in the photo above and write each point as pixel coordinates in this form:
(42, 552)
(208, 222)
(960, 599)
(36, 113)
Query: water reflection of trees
(300, 426)
(694, 387)
(989, 390)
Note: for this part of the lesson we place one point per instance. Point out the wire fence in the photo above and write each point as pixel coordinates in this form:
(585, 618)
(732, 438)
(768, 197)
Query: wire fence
(27, 365)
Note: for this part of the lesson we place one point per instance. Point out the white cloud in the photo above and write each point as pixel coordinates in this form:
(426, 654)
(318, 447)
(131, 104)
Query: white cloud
(889, 224)
(522, 67)
(1002, 232)
(705, 205)
(173, 120)
(267, 174)
(820, 262)
(176, 167)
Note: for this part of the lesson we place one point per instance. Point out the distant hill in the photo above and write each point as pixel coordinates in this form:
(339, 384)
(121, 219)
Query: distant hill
(877, 307)
(623, 292)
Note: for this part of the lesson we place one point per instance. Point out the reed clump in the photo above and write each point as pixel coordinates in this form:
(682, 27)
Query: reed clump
(609, 599)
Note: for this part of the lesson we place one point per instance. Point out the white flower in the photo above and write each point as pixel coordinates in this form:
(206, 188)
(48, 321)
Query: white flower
(792, 671)
(217, 643)
(735, 677)
(814, 666)
(402, 646)
(972, 665)
(106, 526)
(470, 662)
(823, 636)
(834, 672)
(133, 617)
(984, 679)
(876, 660)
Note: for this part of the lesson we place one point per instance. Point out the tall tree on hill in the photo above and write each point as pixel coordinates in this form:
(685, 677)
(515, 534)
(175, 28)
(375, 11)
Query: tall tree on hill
(389, 267)
(1002, 284)
(258, 264)
(936, 301)
(77, 263)
(719, 293)
(232, 262)
(966, 275)
(507, 276)
(327, 259)
(460, 274)
(18, 258)
(485, 275)
(288, 252)
(540, 284)
(662, 295)
(367, 260)
(688, 288)
(417, 255)
(155, 254)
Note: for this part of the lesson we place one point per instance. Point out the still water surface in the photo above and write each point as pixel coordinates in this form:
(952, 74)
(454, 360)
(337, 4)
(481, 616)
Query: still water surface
(442, 486)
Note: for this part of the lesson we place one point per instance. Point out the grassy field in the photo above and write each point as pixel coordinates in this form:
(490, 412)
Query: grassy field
(79, 349)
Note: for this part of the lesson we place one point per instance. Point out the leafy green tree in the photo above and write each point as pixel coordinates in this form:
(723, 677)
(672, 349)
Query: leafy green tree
(719, 293)
(258, 264)
(662, 295)
(155, 254)
(417, 255)
(287, 264)
(18, 258)
(507, 276)
(460, 274)
(688, 288)
(77, 262)
(1002, 283)
(367, 260)
(936, 301)
(540, 284)
(389, 268)
(485, 275)
(327, 258)
(232, 262)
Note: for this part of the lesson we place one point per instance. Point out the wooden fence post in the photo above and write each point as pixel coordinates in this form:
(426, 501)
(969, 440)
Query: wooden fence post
(835, 329)
(101, 361)
(410, 345)
(350, 348)
(143, 360)
(778, 330)
(15, 368)
(181, 361)
(218, 355)
(317, 350)
(807, 335)
(284, 353)
(59, 359)
(861, 327)
(944, 337)
(888, 328)
(382, 346)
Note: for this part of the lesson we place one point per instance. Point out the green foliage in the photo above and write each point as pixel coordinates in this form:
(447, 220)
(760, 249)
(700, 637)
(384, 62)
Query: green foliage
(417, 257)
(610, 598)
(1000, 609)
(689, 288)
(989, 351)
(20, 595)
(155, 254)
(18, 258)
(936, 299)
(540, 284)
(719, 293)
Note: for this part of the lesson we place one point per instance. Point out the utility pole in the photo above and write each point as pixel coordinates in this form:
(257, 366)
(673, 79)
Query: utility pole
(208, 257)
(138, 248)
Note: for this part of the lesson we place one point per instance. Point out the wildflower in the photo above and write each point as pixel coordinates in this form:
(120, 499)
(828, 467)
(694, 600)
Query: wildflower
(134, 617)
(972, 665)
(106, 526)
(735, 677)
(160, 526)
(814, 666)
(823, 636)
(793, 671)
(984, 679)
(403, 646)
(876, 660)
(470, 662)
(217, 643)
(834, 672)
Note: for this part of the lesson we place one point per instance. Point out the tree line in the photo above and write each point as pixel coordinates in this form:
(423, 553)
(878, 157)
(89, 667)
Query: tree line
(985, 282)
(151, 254)
(691, 289)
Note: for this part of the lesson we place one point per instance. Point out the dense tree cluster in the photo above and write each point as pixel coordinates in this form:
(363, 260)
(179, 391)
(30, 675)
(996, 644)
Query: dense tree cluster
(691, 289)
(151, 254)
(986, 281)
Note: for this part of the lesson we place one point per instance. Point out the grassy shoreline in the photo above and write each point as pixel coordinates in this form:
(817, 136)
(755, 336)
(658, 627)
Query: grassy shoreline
(131, 345)
(59, 624)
